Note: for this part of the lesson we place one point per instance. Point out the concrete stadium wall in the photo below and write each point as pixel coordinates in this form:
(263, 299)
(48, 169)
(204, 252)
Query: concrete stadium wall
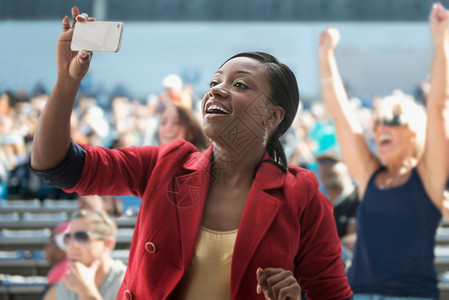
(375, 58)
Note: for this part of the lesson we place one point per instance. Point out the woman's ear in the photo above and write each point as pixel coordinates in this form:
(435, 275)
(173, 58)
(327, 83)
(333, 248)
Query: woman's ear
(275, 116)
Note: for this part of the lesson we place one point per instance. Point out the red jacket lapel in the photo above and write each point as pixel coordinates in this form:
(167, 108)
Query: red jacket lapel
(258, 214)
(193, 188)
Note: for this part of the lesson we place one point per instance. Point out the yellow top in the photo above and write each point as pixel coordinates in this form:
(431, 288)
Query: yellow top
(209, 274)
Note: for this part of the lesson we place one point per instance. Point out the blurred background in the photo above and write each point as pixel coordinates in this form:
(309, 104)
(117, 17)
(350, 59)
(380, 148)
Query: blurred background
(192, 38)
(169, 52)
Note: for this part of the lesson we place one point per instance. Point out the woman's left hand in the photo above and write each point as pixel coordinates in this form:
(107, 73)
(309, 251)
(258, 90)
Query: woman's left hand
(439, 23)
(277, 284)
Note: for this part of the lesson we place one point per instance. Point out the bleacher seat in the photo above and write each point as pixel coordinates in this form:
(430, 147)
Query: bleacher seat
(28, 263)
(441, 251)
(442, 235)
(124, 235)
(13, 204)
(60, 204)
(9, 217)
(21, 287)
(125, 222)
(10, 255)
(122, 255)
(45, 217)
(14, 234)
(18, 239)
(6, 279)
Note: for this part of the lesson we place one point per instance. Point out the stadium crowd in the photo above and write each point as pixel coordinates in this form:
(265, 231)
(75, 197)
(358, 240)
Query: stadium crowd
(119, 120)
(123, 120)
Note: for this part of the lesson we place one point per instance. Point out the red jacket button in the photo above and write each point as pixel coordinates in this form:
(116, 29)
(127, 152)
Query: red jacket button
(150, 247)
(128, 295)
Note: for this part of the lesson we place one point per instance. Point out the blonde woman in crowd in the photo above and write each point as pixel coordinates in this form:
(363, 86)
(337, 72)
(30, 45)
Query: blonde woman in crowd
(401, 189)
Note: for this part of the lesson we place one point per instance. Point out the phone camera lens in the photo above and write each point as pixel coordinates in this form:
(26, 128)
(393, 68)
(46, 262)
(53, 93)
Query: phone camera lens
(118, 26)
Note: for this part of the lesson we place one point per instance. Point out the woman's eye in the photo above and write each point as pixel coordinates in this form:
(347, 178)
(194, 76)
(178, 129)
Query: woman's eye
(213, 83)
(240, 85)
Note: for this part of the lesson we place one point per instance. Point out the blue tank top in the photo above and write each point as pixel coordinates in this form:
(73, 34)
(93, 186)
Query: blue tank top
(394, 251)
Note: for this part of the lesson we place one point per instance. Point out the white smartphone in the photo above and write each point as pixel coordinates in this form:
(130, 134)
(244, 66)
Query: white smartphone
(97, 36)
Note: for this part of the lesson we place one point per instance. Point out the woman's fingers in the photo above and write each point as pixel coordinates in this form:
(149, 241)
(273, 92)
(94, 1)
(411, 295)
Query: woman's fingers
(331, 36)
(436, 6)
(278, 281)
(438, 13)
(75, 13)
(291, 292)
(285, 288)
(334, 35)
(439, 19)
(329, 39)
(263, 284)
(85, 57)
(82, 17)
(65, 24)
(277, 284)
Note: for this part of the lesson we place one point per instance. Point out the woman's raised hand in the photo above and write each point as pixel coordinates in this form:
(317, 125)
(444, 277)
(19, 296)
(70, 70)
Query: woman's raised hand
(439, 24)
(277, 284)
(71, 65)
(329, 39)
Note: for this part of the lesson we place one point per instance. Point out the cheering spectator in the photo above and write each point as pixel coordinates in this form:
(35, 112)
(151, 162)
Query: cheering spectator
(402, 189)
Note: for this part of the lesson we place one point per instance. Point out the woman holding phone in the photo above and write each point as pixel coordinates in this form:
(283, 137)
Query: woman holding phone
(232, 222)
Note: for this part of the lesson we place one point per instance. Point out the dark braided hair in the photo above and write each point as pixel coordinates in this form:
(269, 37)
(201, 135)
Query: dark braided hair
(284, 93)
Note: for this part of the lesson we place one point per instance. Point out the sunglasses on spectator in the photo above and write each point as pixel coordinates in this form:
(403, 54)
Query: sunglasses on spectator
(82, 237)
(395, 121)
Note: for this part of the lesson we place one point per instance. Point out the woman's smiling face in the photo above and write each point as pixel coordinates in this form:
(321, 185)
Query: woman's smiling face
(237, 104)
(170, 126)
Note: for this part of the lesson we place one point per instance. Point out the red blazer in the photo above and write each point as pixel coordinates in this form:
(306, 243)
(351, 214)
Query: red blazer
(286, 222)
